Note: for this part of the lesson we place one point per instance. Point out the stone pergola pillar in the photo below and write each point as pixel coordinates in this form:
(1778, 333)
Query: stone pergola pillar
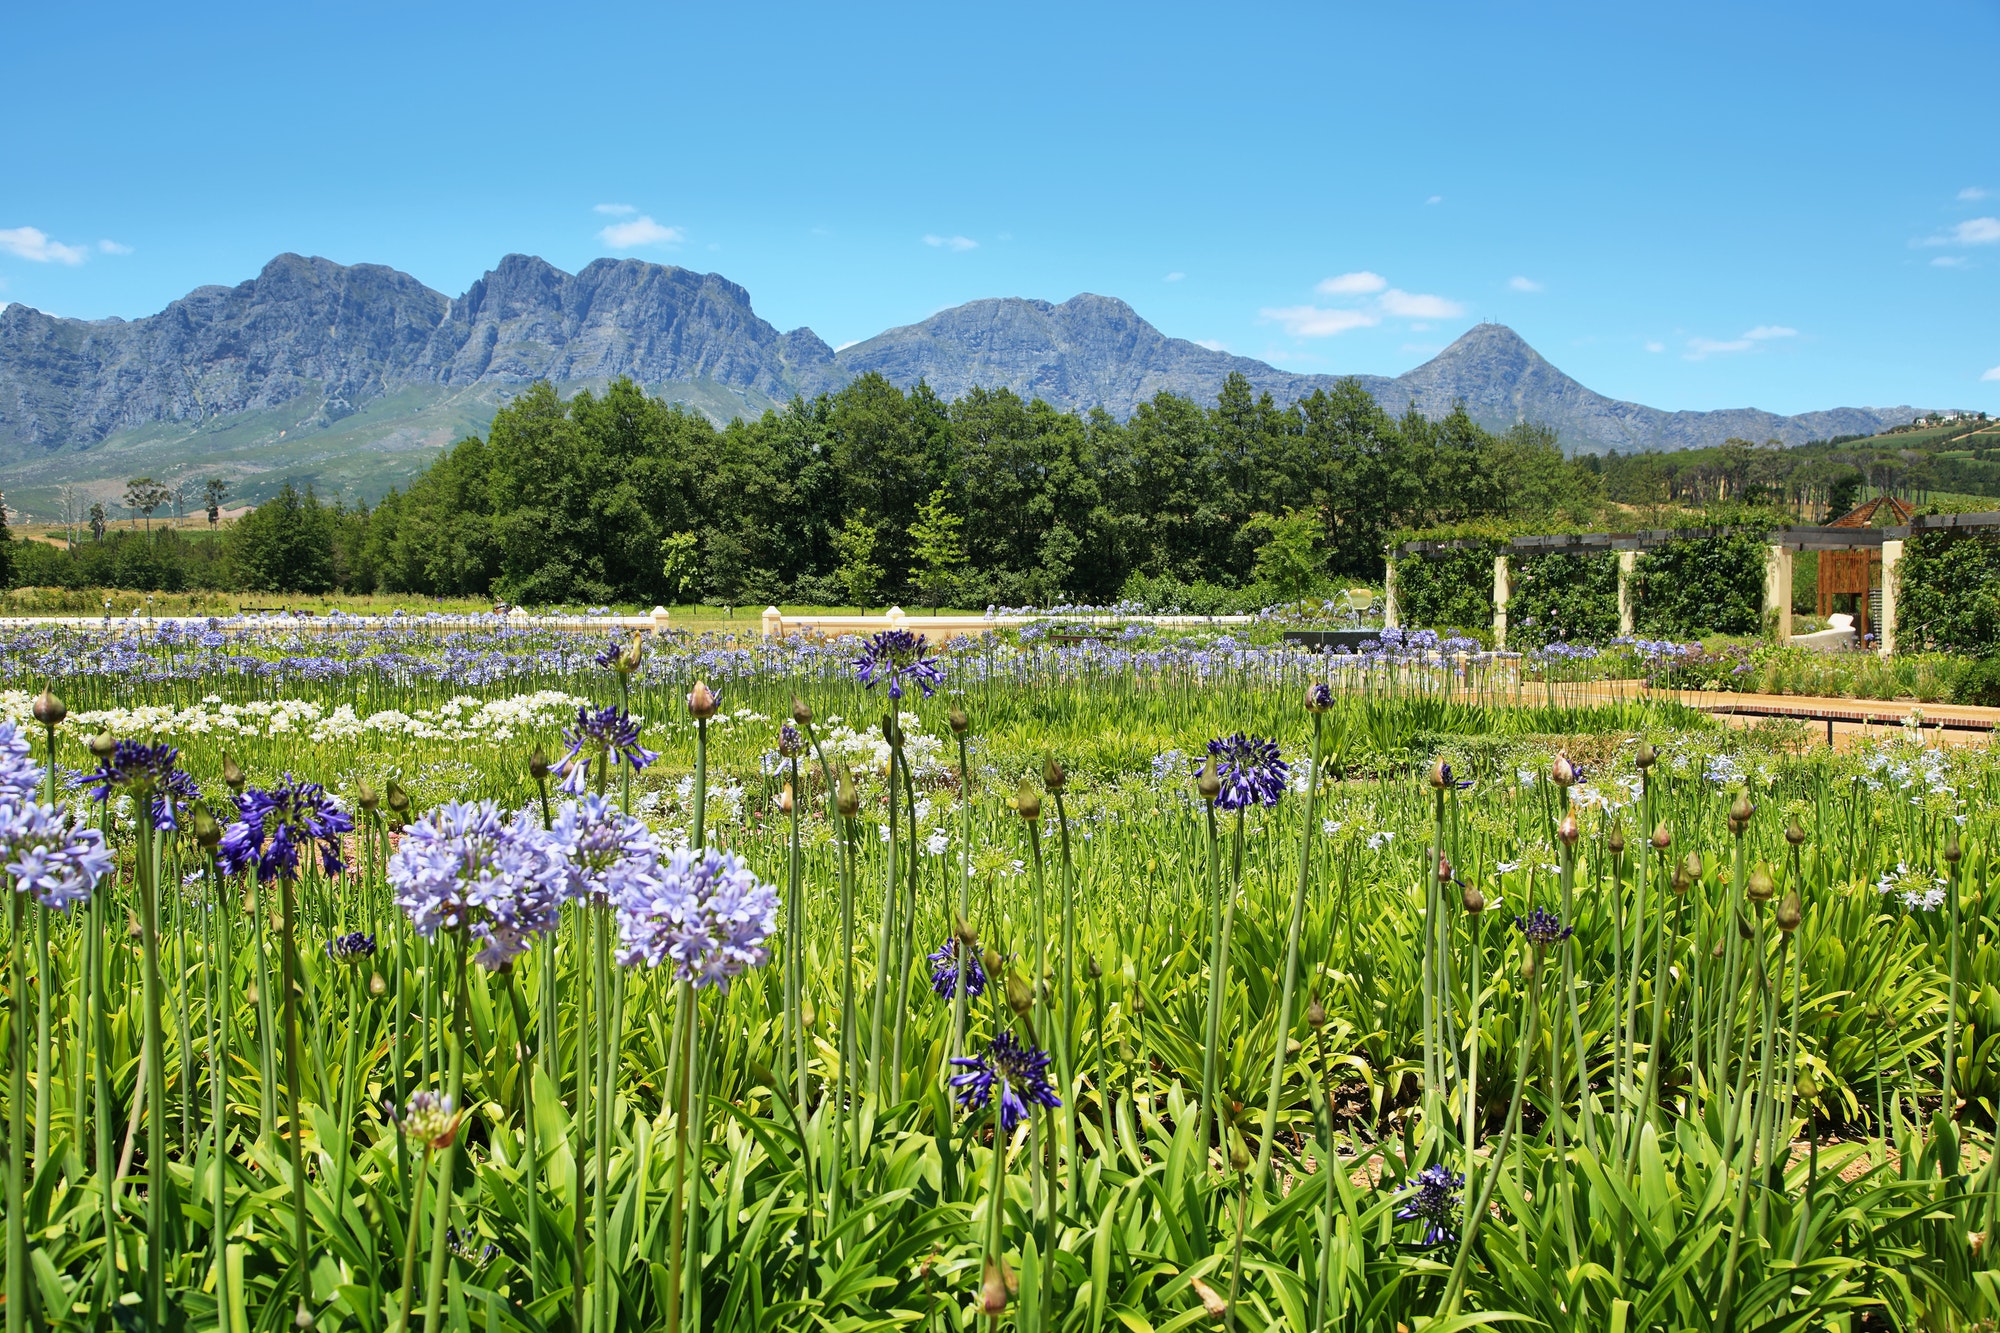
(1628, 563)
(1390, 616)
(1778, 591)
(774, 623)
(1500, 591)
(1892, 557)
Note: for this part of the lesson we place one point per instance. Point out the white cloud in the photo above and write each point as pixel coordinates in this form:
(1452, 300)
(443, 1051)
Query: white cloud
(1764, 332)
(1517, 283)
(958, 243)
(615, 210)
(1972, 231)
(114, 248)
(1656, 347)
(1212, 344)
(1993, 374)
(1700, 349)
(1972, 192)
(1415, 305)
(1435, 199)
(1309, 321)
(1948, 261)
(1353, 284)
(641, 230)
(1175, 277)
(849, 343)
(33, 243)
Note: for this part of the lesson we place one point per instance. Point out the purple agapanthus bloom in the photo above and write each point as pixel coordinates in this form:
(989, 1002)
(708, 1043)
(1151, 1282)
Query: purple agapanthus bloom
(274, 825)
(606, 856)
(353, 949)
(608, 733)
(944, 971)
(50, 855)
(20, 775)
(1250, 769)
(1019, 1071)
(896, 656)
(1543, 927)
(706, 915)
(1434, 1201)
(464, 867)
(790, 743)
(150, 774)
(607, 656)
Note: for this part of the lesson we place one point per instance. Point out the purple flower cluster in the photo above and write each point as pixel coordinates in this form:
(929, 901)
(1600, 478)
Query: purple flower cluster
(150, 774)
(274, 825)
(352, 949)
(895, 656)
(463, 867)
(1250, 769)
(1434, 1201)
(606, 856)
(944, 971)
(609, 734)
(42, 847)
(1019, 1072)
(706, 915)
(1543, 927)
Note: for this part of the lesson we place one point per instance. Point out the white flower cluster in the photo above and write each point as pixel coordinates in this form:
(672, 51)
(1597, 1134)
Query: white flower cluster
(866, 751)
(464, 718)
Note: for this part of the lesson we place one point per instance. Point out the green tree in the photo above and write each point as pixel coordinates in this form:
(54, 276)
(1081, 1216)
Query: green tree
(213, 492)
(143, 495)
(682, 565)
(285, 544)
(937, 549)
(1290, 560)
(858, 573)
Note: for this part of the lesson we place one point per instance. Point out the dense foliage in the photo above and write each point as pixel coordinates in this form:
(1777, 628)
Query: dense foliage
(872, 495)
(1562, 597)
(1697, 586)
(1948, 592)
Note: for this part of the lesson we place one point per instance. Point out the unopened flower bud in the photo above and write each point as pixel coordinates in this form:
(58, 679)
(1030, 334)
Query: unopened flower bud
(1211, 1301)
(1681, 882)
(1759, 889)
(1795, 834)
(1319, 697)
(304, 1318)
(960, 723)
(1528, 963)
(232, 773)
(538, 764)
(702, 702)
(49, 710)
(1020, 998)
(399, 800)
(1208, 783)
(1567, 830)
(628, 661)
(1691, 867)
(847, 800)
(1562, 772)
(1646, 757)
(802, 712)
(366, 796)
(1663, 837)
(1615, 843)
(207, 833)
(1952, 851)
(1790, 912)
(1474, 900)
(994, 1289)
(785, 800)
(1090, 966)
(1740, 809)
(991, 957)
(1315, 1014)
(1440, 775)
(1027, 801)
(1053, 776)
(1444, 871)
(1807, 1086)
(103, 746)
(1239, 1152)
(1743, 928)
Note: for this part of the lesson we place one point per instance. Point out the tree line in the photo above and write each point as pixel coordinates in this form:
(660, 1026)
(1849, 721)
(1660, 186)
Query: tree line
(874, 494)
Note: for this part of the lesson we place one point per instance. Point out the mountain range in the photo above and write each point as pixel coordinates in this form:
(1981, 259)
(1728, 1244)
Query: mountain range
(351, 376)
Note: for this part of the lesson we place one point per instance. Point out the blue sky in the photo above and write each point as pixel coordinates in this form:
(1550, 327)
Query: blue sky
(1690, 205)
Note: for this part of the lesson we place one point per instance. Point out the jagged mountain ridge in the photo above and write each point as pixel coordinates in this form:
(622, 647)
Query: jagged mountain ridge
(325, 340)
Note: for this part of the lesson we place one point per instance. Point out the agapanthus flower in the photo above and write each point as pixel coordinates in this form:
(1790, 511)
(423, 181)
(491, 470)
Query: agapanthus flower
(353, 949)
(1434, 1201)
(1019, 1071)
(608, 733)
(20, 775)
(464, 867)
(274, 825)
(1250, 770)
(1543, 927)
(605, 855)
(790, 743)
(895, 656)
(944, 971)
(51, 855)
(148, 773)
(428, 1117)
(705, 915)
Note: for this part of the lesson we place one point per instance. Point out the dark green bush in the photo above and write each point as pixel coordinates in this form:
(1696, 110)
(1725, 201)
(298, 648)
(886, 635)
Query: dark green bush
(1451, 589)
(1698, 586)
(1563, 595)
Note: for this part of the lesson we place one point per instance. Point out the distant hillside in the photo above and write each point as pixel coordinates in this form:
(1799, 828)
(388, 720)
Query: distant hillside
(348, 377)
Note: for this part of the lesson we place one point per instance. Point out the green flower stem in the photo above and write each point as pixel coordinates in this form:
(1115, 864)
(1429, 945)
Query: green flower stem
(1065, 1050)
(218, 1082)
(17, 1109)
(964, 904)
(296, 1132)
(1297, 929)
(441, 1209)
(157, 1185)
(1216, 965)
(409, 1286)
